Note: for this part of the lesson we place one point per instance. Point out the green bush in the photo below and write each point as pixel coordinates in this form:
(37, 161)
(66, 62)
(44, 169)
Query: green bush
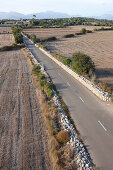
(82, 64)
(102, 28)
(42, 46)
(68, 35)
(49, 39)
(18, 38)
(88, 31)
(17, 34)
(83, 31)
(95, 29)
(67, 61)
(63, 136)
(33, 37)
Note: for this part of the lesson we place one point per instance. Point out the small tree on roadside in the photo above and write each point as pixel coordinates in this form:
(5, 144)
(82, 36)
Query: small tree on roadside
(82, 64)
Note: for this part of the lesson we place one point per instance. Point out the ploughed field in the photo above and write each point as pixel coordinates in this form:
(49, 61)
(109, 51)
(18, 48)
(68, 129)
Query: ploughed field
(23, 138)
(6, 37)
(57, 32)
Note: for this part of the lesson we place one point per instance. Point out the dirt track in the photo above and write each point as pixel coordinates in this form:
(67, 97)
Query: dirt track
(23, 138)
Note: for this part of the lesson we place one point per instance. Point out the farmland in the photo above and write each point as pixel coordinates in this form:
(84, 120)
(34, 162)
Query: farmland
(23, 138)
(57, 32)
(6, 38)
(97, 45)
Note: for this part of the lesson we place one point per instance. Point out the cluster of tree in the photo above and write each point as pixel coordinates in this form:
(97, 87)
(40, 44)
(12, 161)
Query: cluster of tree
(17, 34)
(63, 22)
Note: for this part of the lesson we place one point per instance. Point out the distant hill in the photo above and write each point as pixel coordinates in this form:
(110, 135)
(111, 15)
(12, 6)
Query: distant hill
(46, 15)
(105, 16)
(41, 15)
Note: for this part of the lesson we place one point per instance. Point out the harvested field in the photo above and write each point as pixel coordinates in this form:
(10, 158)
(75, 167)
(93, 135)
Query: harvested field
(97, 45)
(5, 30)
(23, 137)
(6, 39)
(57, 32)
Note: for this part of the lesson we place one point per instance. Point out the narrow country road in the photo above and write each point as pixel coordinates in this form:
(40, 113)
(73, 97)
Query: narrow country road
(93, 118)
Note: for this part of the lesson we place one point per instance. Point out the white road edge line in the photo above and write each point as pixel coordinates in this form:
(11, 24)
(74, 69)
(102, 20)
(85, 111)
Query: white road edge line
(102, 125)
(81, 99)
(68, 84)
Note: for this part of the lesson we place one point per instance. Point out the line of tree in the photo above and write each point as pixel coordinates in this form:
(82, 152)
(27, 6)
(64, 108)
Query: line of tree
(17, 35)
(63, 22)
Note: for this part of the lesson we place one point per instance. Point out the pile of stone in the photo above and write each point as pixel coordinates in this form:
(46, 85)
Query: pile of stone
(83, 159)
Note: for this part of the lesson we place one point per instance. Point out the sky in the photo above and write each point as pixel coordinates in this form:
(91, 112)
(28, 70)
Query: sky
(72, 7)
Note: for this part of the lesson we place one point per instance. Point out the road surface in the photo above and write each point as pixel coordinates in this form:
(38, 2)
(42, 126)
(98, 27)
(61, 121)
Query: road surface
(93, 118)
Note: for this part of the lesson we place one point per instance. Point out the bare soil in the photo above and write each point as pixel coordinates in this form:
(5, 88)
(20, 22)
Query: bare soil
(57, 32)
(6, 39)
(23, 137)
(5, 30)
(6, 36)
(98, 45)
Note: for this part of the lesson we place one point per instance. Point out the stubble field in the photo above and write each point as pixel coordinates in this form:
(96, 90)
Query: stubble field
(23, 138)
(6, 37)
(57, 32)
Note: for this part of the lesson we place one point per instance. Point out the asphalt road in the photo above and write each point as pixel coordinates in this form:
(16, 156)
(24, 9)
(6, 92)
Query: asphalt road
(93, 118)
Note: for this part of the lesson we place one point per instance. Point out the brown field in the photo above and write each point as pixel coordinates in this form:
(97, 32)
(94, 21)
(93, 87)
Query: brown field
(57, 32)
(98, 45)
(23, 137)
(6, 38)
(5, 30)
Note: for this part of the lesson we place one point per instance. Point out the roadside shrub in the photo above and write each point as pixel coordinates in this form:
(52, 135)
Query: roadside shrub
(67, 61)
(83, 31)
(64, 60)
(63, 136)
(17, 34)
(95, 29)
(102, 28)
(18, 38)
(68, 35)
(82, 64)
(33, 37)
(42, 45)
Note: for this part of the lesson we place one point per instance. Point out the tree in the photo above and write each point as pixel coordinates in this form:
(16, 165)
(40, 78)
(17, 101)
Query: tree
(82, 64)
(83, 31)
